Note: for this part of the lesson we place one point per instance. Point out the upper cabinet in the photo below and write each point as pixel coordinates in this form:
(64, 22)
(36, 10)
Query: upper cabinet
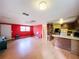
(71, 26)
(64, 26)
(50, 28)
(77, 23)
(74, 25)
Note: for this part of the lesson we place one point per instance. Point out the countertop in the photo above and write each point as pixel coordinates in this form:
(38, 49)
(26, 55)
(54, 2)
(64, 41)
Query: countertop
(68, 37)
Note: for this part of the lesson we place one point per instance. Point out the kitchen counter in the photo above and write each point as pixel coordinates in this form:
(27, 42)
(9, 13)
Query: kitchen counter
(68, 43)
(67, 37)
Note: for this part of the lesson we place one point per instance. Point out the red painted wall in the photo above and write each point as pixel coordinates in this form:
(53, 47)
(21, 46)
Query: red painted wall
(38, 30)
(33, 30)
(16, 30)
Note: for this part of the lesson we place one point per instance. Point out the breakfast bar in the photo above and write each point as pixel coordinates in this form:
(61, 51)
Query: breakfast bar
(69, 43)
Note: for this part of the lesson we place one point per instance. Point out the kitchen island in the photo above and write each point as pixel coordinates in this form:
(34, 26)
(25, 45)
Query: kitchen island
(69, 43)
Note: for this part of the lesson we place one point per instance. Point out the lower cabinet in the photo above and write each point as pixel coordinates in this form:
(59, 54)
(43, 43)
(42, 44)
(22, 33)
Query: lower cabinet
(68, 44)
(63, 43)
(75, 47)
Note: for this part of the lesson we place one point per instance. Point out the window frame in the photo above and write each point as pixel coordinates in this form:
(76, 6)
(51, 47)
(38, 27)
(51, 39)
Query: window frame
(25, 28)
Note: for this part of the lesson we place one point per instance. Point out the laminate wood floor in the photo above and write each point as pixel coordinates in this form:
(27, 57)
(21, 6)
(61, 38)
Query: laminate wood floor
(27, 48)
(34, 48)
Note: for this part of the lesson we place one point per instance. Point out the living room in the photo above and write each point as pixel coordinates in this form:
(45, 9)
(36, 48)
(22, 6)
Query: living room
(39, 29)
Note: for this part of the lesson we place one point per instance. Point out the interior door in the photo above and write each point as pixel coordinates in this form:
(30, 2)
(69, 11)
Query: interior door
(6, 31)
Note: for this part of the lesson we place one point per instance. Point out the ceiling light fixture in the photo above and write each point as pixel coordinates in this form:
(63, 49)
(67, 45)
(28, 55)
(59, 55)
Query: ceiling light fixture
(43, 5)
(61, 21)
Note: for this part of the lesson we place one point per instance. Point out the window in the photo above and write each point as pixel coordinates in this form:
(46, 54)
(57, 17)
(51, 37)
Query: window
(27, 28)
(24, 28)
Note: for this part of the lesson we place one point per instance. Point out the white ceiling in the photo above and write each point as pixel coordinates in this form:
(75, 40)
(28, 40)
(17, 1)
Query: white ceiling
(12, 11)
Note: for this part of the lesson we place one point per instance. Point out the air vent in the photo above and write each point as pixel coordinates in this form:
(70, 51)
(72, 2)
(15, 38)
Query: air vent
(25, 14)
(32, 21)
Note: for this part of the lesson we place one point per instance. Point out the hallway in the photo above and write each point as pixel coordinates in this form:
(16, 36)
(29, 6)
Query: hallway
(34, 48)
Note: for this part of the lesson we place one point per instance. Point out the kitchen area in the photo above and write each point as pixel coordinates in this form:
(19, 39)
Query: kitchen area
(65, 36)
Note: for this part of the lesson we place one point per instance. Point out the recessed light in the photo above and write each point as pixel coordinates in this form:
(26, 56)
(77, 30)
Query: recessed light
(61, 21)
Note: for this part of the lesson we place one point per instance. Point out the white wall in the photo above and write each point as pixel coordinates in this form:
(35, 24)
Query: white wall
(44, 31)
(0, 29)
(6, 31)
